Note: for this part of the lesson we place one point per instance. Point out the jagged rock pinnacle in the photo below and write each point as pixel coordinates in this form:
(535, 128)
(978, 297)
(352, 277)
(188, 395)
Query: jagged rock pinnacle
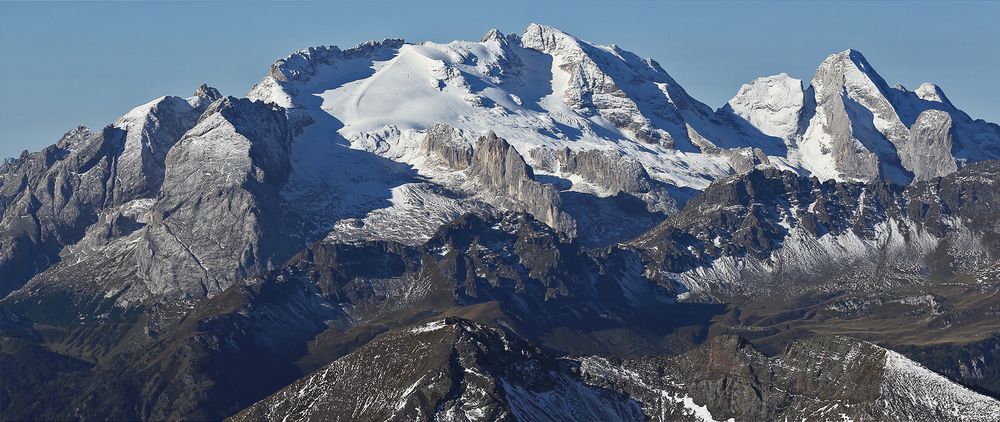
(207, 92)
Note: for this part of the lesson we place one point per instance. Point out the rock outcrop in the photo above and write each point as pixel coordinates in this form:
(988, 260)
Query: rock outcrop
(841, 142)
(769, 221)
(850, 125)
(721, 381)
(614, 172)
(497, 166)
(635, 95)
(229, 170)
(445, 145)
(302, 65)
(49, 198)
(463, 370)
(218, 216)
(927, 153)
(611, 172)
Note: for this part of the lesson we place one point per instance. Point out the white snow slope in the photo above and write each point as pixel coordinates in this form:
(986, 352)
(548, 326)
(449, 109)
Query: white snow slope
(547, 88)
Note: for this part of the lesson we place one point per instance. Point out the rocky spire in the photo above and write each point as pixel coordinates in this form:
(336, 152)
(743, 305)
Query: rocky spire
(499, 167)
(930, 92)
(207, 92)
(493, 35)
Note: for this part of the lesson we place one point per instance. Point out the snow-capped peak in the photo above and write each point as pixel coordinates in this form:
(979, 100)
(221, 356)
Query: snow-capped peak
(855, 130)
(930, 92)
(546, 90)
(492, 35)
(861, 129)
(548, 39)
(849, 69)
(772, 104)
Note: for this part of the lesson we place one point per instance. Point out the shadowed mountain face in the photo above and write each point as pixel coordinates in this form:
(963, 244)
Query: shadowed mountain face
(527, 227)
(451, 368)
(469, 371)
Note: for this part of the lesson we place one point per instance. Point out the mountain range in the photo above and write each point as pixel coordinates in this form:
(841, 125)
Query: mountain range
(525, 227)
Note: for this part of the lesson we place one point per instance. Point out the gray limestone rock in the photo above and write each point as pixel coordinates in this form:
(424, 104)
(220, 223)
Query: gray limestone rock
(49, 198)
(637, 96)
(615, 172)
(498, 166)
(743, 160)
(218, 217)
(928, 152)
(832, 133)
(445, 145)
(150, 131)
(856, 127)
(611, 171)
(207, 93)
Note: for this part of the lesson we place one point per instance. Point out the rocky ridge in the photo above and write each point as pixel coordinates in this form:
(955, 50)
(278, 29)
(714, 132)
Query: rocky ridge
(202, 253)
(475, 372)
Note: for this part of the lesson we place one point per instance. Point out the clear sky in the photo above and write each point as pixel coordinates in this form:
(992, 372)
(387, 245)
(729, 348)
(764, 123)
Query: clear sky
(63, 64)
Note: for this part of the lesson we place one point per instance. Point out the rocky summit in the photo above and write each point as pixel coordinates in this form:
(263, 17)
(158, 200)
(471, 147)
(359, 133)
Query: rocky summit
(524, 227)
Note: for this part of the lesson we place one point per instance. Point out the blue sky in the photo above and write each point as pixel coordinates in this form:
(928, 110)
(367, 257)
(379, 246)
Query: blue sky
(63, 64)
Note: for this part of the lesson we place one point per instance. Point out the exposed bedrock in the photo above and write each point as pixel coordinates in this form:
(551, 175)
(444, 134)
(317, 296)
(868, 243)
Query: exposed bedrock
(498, 166)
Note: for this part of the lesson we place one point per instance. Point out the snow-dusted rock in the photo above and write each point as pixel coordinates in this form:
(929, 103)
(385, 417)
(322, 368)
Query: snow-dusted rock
(51, 197)
(772, 104)
(227, 170)
(450, 369)
(822, 378)
(853, 132)
(930, 92)
(444, 144)
(849, 124)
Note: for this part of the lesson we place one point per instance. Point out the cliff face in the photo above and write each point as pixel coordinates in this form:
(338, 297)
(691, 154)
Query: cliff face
(928, 151)
(229, 169)
(499, 167)
(497, 229)
(445, 145)
(50, 197)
